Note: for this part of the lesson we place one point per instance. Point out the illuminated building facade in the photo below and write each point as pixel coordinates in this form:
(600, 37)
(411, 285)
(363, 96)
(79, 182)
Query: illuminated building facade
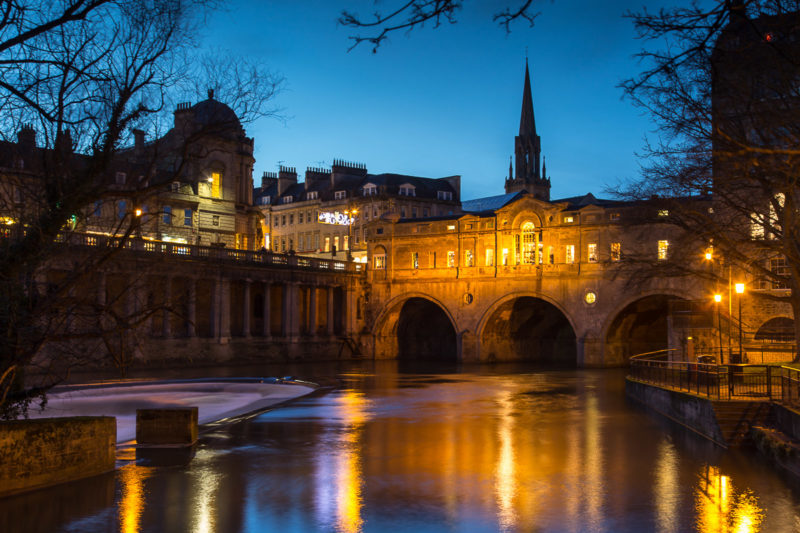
(329, 213)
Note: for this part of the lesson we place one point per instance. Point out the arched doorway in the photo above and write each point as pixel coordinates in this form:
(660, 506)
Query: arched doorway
(642, 326)
(424, 332)
(529, 329)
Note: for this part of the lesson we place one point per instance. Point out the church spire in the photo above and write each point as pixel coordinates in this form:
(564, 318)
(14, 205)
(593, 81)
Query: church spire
(527, 123)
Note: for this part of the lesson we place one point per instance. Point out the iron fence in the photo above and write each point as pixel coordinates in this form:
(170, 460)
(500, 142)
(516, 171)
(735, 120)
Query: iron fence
(719, 382)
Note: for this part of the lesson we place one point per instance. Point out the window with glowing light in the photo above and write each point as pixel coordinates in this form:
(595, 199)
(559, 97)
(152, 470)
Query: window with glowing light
(489, 257)
(663, 250)
(616, 251)
(569, 254)
(380, 261)
(529, 243)
(591, 252)
(216, 185)
(469, 258)
(415, 260)
(451, 259)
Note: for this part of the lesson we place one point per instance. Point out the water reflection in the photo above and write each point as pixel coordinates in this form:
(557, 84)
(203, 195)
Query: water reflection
(723, 509)
(536, 451)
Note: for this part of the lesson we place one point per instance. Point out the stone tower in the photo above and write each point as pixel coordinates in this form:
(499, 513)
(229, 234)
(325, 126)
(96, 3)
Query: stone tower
(530, 173)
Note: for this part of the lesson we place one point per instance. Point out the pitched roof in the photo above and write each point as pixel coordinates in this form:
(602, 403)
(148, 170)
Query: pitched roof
(490, 203)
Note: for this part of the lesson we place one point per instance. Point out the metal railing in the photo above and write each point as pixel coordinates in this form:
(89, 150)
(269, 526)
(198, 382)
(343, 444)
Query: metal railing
(719, 382)
(209, 253)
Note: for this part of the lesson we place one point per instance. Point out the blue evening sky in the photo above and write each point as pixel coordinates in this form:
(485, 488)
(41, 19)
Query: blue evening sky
(447, 101)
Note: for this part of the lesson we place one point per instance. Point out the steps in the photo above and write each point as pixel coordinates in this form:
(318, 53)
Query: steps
(736, 417)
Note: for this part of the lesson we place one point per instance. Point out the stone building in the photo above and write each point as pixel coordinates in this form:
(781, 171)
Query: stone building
(329, 212)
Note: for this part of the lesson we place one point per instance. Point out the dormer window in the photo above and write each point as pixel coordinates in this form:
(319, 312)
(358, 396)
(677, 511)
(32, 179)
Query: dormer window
(287, 199)
(340, 195)
(266, 200)
(370, 190)
(311, 195)
(444, 195)
(175, 186)
(407, 190)
(121, 177)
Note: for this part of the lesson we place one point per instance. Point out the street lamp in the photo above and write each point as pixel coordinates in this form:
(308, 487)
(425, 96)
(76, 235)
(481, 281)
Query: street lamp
(740, 290)
(717, 300)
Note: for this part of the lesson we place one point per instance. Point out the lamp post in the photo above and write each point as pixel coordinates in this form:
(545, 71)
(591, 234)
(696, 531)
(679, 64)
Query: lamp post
(740, 291)
(717, 300)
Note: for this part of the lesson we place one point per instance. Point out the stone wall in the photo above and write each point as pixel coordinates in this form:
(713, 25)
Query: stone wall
(48, 451)
(690, 411)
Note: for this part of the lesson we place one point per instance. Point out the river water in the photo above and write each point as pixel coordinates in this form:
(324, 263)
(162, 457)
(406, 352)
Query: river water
(480, 449)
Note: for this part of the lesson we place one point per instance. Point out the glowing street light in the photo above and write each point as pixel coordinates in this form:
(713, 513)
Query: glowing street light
(138, 212)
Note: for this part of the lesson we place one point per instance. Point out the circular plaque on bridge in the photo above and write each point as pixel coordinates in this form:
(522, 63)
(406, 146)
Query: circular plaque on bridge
(590, 298)
(468, 298)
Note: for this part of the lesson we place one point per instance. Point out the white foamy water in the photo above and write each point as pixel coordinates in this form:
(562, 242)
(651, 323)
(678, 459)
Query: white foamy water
(215, 400)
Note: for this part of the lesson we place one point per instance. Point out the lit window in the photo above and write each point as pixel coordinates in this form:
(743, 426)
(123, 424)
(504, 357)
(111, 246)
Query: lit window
(167, 217)
(469, 258)
(444, 195)
(336, 242)
(340, 195)
(505, 256)
(489, 257)
(616, 251)
(613, 216)
(414, 260)
(569, 219)
(663, 212)
(451, 227)
(551, 256)
(380, 262)
(663, 249)
(528, 244)
(327, 245)
(592, 253)
(346, 240)
(187, 217)
(756, 226)
(216, 185)
(451, 259)
(569, 254)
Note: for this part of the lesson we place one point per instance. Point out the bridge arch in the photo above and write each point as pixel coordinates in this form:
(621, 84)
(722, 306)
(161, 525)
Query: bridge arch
(776, 329)
(416, 326)
(638, 325)
(524, 326)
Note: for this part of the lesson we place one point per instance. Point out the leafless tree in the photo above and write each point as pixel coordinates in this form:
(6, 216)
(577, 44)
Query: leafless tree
(82, 74)
(720, 81)
(405, 15)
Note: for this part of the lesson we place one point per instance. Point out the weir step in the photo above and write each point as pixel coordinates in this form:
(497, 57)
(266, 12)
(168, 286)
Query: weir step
(735, 418)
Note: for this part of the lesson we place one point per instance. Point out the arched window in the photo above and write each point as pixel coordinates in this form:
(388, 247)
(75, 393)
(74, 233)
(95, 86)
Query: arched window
(529, 244)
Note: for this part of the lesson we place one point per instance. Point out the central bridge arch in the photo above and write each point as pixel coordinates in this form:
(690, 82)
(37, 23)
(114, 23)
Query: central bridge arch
(416, 326)
(527, 327)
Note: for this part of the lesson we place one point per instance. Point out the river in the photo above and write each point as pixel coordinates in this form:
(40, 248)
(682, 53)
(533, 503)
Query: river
(432, 449)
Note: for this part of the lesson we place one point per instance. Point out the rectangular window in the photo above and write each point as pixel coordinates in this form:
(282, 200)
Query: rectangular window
(451, 259)
(505, 256)
(663, 250)
(431, 259)
(336, 242)
(380, 261)
(516, 248)
(98, 206)
(370, 190)
(489, 257)
(613, 216)
(569, 219)
(287, 199)
(413, 212)
(663, 212)
(187, 217)
(403, 212)
(216, 185)
(591, 253)
(616, 251)
(374, 212)
(291, 219)
(781, 270)
(356, 239)
(122, 209)
(167, 217)
(215, 220)
(300, 243)
(551, 256)
(444, 195)
(311, 196)
(283, 220)
(316, 241)
(569, 254)
(327, 245)
(540, 250)
(346, 239)
(426, 212)
(469, 258)
(340, 195)
(300, 217)
(415, 260)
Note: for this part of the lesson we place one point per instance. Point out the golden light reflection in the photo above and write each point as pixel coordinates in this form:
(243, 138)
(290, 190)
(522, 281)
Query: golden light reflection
(667, 488)
(505, 471)
(720, 509)
(204, 501)
(343, 483)
(132, 502)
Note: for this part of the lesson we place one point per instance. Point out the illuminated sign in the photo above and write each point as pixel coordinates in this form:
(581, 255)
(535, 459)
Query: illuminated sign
(340, 219)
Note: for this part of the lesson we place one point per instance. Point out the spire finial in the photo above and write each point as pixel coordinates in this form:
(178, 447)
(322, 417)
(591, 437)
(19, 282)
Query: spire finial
(211, 94)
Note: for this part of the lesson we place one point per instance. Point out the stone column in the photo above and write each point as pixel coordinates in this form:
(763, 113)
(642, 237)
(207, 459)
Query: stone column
(166, 327)
(191, 309)
(312, 311)
(265, 331)
(246, 309)
(349, 311)
(225, 310)
(331, 291)
(291, 311)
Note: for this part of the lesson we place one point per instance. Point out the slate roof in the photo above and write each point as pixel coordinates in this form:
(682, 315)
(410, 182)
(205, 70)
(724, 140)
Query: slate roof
(489, 203)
